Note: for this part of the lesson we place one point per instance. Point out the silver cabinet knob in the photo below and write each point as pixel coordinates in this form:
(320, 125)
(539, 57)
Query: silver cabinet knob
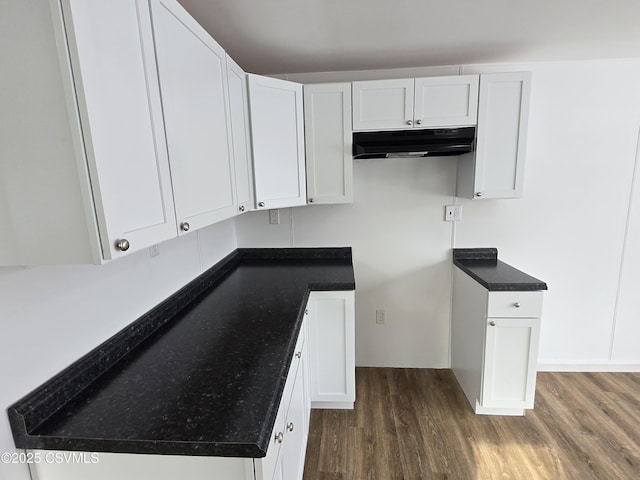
(299, 355)
(478, 194)
(409, 122)
(279, 437)
(517, 304)
(261, 204)
(311, 200)
(492, 323)
(242, 208)
(184, 226)
(290, 426)
(122, 244)
(419, 122)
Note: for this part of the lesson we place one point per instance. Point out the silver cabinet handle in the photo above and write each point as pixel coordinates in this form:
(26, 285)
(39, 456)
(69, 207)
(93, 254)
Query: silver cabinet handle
(478, 194)
(306, 311)
(279, 437)
(122, 245)
(409, 122)
(242, 208)
(311, 200)
(261, 204)
(517, 304)
(290, 426)
(492, 323)
(185, 226)
(299, 354)
(419, 122)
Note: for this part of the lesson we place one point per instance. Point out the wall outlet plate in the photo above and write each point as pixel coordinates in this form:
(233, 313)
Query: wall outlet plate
(452, 213)
(274, 216)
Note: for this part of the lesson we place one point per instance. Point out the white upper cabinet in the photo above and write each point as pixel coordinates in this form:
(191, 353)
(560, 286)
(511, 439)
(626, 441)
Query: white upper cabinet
(383, 104)
(193, 82)
(239, 108)
(496, 168)
(84, 172)
(277, 134)
(328, 140)
(400, 104)
(446, 101)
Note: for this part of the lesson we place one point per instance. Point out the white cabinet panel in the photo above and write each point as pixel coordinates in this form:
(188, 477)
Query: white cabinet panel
(277, 133)
(327, 121)
(496, 168)
(84, 163)
(332, 349)
(446, 101)
(242, 158)
(510, 362)
(192, 72)
(383, 104)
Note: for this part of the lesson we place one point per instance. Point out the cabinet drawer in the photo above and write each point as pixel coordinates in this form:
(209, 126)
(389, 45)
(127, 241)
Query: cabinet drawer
(515, 304)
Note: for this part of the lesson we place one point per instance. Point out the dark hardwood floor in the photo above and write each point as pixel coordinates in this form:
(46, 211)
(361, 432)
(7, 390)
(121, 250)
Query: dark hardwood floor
(417, 424)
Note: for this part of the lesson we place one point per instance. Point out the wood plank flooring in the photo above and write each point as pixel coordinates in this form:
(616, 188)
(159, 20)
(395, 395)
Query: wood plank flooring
(417, 424)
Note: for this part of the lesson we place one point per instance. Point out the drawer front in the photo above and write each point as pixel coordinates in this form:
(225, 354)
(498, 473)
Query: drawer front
(515, 304)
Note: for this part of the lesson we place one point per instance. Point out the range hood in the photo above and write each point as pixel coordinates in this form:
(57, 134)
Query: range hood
(414, 143)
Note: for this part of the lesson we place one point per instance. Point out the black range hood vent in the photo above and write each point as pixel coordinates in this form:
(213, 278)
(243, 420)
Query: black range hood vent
(436, 142)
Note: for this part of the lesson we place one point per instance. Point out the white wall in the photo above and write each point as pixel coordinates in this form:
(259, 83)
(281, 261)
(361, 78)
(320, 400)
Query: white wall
(569, 229)
(51, 316)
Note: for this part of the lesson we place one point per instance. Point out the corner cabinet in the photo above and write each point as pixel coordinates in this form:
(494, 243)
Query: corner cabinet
(401, 104)
(329, 157)
(496, 168)
(494, 345)
(331, 320)
(277, 138)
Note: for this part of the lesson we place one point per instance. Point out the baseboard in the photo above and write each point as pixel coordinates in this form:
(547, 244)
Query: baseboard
(589, 367)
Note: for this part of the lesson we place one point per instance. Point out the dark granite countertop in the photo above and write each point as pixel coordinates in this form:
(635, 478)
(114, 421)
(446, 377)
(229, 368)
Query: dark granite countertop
(483, 265)
(200, 374)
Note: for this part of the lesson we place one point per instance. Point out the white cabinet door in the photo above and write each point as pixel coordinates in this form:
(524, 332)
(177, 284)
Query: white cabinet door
(327, 124)
(383, 104)
(193, 82)
(510, 362)
(242, 159)
(496, 168)
(113, 64)
(446, 101)
(277, 133)
(332, 349)
(294, 446)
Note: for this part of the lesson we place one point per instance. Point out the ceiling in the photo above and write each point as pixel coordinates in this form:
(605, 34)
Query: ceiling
(295, 36)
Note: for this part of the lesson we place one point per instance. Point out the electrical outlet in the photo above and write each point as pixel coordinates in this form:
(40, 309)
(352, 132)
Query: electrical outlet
(381, 317)
(452, 213)
(154, 250)
(274, 217)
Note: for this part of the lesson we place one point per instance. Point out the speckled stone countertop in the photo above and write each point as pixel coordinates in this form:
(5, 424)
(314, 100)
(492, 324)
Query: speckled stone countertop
(483, 265)
(200, 374)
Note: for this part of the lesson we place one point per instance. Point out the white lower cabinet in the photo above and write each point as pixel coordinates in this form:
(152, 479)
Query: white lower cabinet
(494, 345)
(496, 168)
(331, 319)
(277, 138)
